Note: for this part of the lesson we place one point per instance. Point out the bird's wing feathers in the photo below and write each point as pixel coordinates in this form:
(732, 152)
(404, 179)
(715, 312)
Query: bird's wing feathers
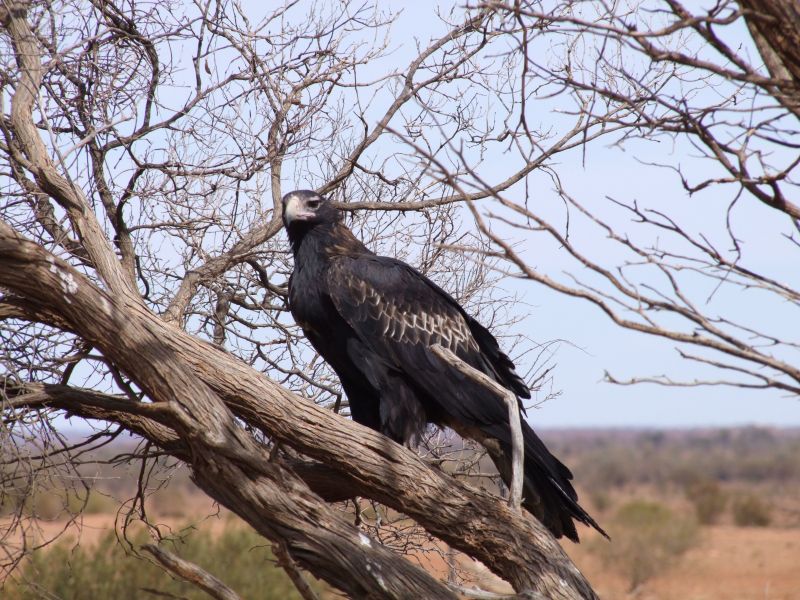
(388, 299)
(397, 314)
(400, 314)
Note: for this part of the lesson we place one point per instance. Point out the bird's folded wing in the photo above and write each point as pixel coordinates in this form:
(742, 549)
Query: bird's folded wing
(399, 314)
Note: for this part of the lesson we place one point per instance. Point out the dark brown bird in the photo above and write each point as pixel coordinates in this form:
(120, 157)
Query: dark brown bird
(374, 319)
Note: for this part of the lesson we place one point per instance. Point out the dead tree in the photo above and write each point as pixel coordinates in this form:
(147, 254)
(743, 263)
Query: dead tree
(144, 280)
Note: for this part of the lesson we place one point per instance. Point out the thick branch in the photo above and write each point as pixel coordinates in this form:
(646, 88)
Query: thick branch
(775, 26)
(90, 404)
(51, 182)
(515, 546)
(226, 463)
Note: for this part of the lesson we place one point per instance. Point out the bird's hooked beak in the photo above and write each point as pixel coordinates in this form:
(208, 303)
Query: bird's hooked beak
(295, 209)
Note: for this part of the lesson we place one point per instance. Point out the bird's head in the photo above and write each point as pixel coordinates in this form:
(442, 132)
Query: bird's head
(304, 208)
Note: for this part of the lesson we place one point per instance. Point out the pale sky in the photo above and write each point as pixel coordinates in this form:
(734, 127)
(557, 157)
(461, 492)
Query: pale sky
(593, 344)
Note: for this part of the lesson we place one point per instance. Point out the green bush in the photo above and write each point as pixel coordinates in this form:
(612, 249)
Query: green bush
(708, 499)
(601, 501)
(751, 511)
(238, 557)
(52, 504)
(646, 539)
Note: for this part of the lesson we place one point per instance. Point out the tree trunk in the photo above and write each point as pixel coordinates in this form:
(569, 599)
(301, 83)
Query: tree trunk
(775, 27)
(189, 377)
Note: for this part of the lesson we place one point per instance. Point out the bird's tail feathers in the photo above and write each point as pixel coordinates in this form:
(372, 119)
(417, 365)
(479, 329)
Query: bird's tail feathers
(547, 488)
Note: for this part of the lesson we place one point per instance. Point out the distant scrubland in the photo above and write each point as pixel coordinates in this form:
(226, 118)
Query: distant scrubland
(662, 495)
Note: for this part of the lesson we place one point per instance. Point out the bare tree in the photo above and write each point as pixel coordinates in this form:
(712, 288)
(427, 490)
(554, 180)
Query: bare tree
(709, 97)
(144, 152)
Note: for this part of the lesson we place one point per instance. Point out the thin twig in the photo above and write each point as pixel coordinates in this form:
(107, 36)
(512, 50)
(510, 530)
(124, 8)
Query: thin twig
(286, 561)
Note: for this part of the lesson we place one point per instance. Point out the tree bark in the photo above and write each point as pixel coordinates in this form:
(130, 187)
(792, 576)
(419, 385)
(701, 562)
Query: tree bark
(225, 461)
(775, 28)
(192, 573)
(189, 377)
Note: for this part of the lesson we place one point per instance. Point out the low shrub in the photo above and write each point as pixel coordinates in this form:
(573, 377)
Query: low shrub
(751, 511)
(709, 500)
(646, 539)
(238, 557)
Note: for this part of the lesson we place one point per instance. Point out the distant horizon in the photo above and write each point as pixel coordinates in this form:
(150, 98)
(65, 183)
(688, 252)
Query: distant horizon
(790, 427)
(74, 430)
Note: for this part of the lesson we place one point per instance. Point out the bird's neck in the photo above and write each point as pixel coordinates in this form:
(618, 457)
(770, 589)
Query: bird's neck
(325, 240)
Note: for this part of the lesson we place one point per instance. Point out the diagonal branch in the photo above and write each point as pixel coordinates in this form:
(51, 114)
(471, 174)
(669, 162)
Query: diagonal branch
(190, 572)
(288, 564)
(226, 462)
(216, 266)
(168, 363)
(28, 54)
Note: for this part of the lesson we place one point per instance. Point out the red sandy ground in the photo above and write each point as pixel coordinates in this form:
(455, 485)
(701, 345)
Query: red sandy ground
(730, 563)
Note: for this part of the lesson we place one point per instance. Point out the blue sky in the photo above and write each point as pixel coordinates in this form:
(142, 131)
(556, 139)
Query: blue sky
(593, 344)
(590, 344)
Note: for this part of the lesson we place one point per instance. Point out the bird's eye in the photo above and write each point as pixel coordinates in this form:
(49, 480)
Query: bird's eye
(313, 204)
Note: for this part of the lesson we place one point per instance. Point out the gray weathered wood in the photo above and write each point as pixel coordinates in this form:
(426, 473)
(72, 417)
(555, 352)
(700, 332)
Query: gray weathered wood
(188, 571)
(195, 381)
